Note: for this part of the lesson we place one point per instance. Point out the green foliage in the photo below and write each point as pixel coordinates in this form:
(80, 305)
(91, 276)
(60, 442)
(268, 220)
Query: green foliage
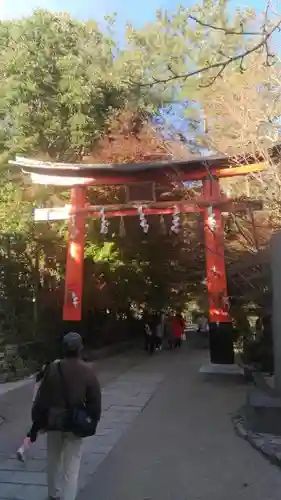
(15, 212)
(60, 85)
(133, 269)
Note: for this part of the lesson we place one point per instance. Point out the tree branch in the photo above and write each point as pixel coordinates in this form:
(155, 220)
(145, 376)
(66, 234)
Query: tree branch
(224, 30)
(269, 55)
(222, 65)
(243, 234)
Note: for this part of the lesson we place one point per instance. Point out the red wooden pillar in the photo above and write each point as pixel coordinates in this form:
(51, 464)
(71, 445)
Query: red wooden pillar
(221, 338)
(72, 308)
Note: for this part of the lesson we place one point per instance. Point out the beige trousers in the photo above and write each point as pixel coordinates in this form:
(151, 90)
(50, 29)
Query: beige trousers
(64, 452)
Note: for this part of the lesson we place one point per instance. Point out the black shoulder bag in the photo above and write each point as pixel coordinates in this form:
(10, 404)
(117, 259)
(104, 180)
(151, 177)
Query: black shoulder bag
(76, 419)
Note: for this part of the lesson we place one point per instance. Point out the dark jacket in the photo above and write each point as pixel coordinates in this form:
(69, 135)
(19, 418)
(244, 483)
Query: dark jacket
(82, 386)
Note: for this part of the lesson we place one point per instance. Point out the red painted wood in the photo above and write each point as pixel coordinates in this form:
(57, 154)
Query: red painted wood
(215, 261)
(147, 211)
(72, 308)
(227, 206)
(180, 174)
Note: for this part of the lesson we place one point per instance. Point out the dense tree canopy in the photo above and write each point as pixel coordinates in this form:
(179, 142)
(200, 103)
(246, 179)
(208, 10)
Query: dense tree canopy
(60, 84)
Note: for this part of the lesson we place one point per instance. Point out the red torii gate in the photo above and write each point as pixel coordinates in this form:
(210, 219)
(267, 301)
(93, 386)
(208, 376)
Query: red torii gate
(207, 169)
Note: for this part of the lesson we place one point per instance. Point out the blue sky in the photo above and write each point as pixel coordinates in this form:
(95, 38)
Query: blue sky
(137, 13)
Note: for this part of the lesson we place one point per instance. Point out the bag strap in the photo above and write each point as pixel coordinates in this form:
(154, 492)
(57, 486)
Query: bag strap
(64, 386)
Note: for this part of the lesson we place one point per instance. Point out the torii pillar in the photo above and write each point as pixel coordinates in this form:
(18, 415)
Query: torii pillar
(220, 323)
(72, 307)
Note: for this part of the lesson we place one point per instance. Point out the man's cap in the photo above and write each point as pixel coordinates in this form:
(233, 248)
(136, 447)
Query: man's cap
(72, 341)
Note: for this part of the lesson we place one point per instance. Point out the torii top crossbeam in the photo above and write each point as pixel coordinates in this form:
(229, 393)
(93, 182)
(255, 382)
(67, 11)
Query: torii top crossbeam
(196, 168)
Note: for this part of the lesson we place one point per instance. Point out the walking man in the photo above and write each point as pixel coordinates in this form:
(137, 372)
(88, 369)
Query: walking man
(69, 400)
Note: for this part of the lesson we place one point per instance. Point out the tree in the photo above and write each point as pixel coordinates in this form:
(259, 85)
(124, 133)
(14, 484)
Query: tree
(233, 109)
(223, 74)
(60, 85)
(62, 82)
(195, 46)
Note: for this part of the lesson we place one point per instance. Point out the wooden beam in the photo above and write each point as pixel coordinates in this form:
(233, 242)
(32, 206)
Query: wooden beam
(59, 176)
(239, 170)
(160, 208)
